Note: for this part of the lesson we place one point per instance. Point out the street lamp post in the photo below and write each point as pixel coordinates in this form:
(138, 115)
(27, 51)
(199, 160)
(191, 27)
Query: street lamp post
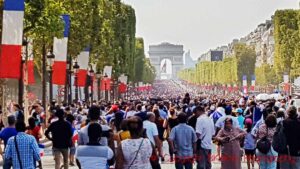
(76, 68)
(21, 80)
(68, 81)
(92, 73)
(112, 83)
(69, 77)
(119, 94)
(44, 90)
(105, 87)
(98, 75)
(50, 58)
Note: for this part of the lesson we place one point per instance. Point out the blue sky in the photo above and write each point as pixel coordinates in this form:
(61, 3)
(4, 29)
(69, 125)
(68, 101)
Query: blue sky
(202, 24)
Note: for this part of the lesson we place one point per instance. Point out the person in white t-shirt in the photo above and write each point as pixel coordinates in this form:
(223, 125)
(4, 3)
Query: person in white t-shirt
(94, 155)
(205, 130)
(152, 131)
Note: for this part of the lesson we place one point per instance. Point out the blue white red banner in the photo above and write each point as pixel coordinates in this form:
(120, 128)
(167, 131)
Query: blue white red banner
(12, 38)
(60, 50)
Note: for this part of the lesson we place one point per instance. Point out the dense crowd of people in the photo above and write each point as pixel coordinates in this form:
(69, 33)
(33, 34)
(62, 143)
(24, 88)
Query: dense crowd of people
(129, 134)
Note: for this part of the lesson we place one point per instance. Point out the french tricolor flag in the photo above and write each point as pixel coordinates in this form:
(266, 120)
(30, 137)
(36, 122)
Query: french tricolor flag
(12, 38)
(29, 68)
(83, 62)
(60, 48)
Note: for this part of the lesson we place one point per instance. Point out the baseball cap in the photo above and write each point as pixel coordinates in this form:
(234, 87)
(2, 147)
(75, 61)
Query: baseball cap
(239, 110)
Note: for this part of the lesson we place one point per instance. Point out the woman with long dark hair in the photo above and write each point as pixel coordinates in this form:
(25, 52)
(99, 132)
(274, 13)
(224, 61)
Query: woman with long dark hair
(159, 123)
(169, 124)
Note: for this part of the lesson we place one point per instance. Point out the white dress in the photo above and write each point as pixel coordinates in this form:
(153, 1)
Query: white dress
(130, 148)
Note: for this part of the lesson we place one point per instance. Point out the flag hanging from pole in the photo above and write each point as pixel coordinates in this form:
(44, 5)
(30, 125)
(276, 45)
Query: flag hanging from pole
(105, 84)
(122, 88)
(28, 69)
(60, 48)
(244, 80)
(12, 38)
(245, 88)
(83, 62)
(107, 71)
(30, 72)
(253, 79)
(123, 83)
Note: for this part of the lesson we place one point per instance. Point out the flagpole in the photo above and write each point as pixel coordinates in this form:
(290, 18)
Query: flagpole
(21, 79)
(44, 103)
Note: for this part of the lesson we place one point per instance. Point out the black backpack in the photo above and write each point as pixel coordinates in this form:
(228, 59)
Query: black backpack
(279, 142)
(264, 144)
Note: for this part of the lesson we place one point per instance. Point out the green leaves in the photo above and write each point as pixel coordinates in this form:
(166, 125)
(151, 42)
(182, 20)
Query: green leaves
(287, 43)
(144, 71)
(265, 75)
(42, 19)
(107, 26)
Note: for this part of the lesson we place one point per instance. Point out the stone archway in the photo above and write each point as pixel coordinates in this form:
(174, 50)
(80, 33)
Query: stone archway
(157, 53)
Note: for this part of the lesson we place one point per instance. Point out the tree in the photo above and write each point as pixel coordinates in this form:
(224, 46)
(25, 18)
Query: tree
(139, 60)
(286, 59)
(228, 71)
(42, 24)
(246, 58)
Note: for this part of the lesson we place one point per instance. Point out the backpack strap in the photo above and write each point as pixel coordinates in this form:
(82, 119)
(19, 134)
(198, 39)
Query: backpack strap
(136, 154)
(18, 153)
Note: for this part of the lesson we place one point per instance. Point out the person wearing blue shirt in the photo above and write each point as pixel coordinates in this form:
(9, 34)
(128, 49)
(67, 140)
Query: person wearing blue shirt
(26, 146)
(183, 143)
(162, 112)
(240, 117)
(9, 131)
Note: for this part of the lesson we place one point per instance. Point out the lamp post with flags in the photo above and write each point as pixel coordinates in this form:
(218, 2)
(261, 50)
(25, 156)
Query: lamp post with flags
(50, 58)
(76, 68)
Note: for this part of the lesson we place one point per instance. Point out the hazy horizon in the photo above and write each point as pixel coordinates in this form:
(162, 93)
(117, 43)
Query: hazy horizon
(201, 25)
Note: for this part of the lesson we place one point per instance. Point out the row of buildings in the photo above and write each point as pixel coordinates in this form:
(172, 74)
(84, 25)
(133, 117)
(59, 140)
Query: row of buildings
(262, 39)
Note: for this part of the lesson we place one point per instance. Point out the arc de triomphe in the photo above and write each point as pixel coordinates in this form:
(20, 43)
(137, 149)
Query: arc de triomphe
(174, 53)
